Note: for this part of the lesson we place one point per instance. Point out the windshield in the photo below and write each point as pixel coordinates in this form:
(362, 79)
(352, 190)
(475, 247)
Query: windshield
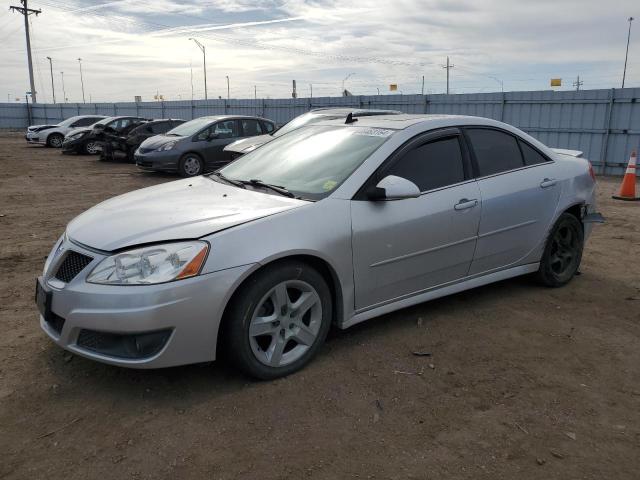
(191, 127)
(311, 161)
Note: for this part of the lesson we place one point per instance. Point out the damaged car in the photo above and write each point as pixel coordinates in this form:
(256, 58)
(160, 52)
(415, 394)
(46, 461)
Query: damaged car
(89, 141)
(121, 146)
(53, 135)
(332, 224)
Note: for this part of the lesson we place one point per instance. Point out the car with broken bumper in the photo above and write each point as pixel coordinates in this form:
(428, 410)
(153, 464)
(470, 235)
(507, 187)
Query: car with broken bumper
(53, 135)
(332, 224)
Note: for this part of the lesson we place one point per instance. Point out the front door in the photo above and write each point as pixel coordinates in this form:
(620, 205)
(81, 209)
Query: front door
(221, 134)
(406, 246)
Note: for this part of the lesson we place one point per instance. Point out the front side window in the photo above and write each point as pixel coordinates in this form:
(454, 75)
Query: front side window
(84, 122)
(432, 165)
(269, 127)
(311, 161)
(495, 151)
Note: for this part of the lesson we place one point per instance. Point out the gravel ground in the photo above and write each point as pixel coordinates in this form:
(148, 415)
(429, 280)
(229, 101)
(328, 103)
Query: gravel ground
(523, 382)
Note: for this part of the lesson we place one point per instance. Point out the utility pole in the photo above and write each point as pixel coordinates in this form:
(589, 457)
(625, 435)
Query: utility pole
(26, 11)
(577, 84)
(448, 66)
(228, 96)
(422, 84)
(311, 90)
(64, 92)
(204, 56)
(626, 55)
(344, 80)
(53, 87)
(81, 79)
(191, 68)
(255, 92)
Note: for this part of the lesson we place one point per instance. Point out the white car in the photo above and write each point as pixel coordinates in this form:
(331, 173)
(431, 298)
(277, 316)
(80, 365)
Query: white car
(53, 135)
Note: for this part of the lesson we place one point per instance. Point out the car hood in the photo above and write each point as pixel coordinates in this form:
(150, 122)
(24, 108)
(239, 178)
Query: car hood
(77, 130)
(183, 209)
(158, 140)
(241, 145)
(40, 127)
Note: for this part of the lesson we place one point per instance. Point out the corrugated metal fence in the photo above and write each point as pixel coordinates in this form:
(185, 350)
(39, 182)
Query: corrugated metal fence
(605, 124)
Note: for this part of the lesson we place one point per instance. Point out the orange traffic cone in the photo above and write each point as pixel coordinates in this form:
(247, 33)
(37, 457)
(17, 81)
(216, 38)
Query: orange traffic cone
(628, 187)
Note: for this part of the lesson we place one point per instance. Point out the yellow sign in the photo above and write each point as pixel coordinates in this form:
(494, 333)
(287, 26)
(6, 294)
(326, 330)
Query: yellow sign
(556, 82)
(393, 87)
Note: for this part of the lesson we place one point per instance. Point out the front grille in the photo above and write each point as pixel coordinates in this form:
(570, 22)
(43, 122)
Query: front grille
(144, 164)
(72, 265)
(145, 150)
(132, 346)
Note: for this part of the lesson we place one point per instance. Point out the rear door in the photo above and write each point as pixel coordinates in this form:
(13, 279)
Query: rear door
(519, 198)
(406, 246)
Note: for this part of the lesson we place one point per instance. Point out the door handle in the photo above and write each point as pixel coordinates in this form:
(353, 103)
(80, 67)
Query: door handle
(464, 203)
(548, 182)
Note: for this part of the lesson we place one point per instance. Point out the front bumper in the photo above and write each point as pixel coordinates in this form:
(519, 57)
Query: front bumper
(35, 138)
(189, 311)
(158, 161)
(74, 145)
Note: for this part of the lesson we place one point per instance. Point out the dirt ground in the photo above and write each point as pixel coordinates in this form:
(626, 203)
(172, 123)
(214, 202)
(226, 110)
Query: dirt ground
(523, 382)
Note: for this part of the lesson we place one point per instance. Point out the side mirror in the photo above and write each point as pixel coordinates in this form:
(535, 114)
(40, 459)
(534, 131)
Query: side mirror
(394, 188)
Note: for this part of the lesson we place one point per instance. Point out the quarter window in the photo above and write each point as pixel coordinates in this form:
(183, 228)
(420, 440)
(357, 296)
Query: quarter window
(495, 151)
(531, 155)
(432, 165)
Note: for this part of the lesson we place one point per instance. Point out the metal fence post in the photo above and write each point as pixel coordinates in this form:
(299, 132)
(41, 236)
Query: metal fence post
(607, 131)
(115, 110)
(193, 109)
(162, 109)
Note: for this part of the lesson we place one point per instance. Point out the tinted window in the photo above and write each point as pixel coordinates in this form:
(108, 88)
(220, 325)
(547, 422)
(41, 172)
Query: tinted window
(495, 151)
(85, 122)
(251, 128)
(160, 127)
(120, 123)
(531, 155)
(269, 127)
(432, 165)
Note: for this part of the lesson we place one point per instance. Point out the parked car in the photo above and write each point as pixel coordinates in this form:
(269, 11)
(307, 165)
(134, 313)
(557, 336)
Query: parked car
(333, 223)
(53, 135)
(246, 145)
(123, 145)
(89, 140)
(197, 146)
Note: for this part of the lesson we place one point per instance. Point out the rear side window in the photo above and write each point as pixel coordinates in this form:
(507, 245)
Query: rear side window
(531, 155)
(432, 165)
(495, 151)
(85, 122)
(251, 128)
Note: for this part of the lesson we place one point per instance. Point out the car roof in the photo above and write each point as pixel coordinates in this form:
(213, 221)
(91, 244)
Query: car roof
(356, 112)
(405, 120)
(230, 117)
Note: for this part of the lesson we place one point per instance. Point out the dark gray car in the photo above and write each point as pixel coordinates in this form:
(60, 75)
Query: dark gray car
(246, 145)
(197, 146)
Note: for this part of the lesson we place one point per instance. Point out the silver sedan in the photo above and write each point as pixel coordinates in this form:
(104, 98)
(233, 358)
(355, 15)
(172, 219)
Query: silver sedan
(331, 224)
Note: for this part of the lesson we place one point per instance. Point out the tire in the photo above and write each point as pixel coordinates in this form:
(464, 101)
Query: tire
(290, 338)
(562, 253)
(55, 140)
(89, 147)
(190, 165)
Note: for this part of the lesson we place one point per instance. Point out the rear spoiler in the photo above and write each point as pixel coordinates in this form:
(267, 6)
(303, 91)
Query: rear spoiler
(570, 153)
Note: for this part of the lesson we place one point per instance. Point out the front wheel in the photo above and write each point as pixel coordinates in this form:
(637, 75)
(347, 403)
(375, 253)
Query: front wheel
(278, 320)
(55, 140)
(190, 165)
(90, 147)
(563, 252)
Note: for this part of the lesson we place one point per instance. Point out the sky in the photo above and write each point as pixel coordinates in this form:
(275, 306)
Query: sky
(142, 47)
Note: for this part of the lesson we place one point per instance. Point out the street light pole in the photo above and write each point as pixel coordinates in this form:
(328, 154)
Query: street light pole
(626, 55)
(344, 80)
(204, 57)
(64, 92)
(227, 87)
(499, 81)
(81, 79)
(53, 87)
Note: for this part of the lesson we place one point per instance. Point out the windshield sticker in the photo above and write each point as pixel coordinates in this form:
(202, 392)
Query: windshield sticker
(373, 132)
(329, 185)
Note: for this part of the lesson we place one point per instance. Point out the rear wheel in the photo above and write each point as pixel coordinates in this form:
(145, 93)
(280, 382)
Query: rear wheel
(563, 252)
(278, 320)
(55, 140)
(190, 165)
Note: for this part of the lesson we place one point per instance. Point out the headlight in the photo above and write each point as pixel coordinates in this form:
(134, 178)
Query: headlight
(167, 146)
(76, 136)
(54, 253)
(153, 264)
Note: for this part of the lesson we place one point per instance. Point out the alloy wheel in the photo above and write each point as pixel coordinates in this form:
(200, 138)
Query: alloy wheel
(91, 148)
(564, 250)
(286, 323)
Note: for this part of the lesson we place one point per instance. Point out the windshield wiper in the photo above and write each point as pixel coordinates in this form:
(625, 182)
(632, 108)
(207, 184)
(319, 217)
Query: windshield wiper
(276, 188)
(237, 183)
